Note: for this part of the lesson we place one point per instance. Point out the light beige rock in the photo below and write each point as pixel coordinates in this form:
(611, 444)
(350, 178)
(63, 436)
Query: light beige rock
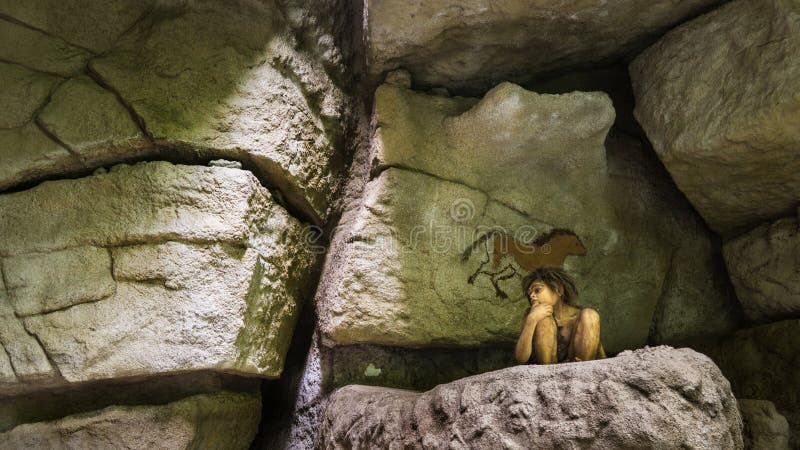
(407, 266)
(159, 268)
(651, 398)
(718, 99)
(764, 427)
(762, 363)
(38, 51)
(472, 45)
(262, 99)
(91, 122)
(26, 357)
(764, 265)
(40, 283)
(223, 420)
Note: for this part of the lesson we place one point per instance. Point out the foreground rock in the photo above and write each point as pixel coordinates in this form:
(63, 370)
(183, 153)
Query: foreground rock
(764, 427)
(762, 363)
(717, 98)
(257, 82)
(148, 269)
(764, 265)
(469, 195)
(471, 46)
(652, 398)
(223, 420)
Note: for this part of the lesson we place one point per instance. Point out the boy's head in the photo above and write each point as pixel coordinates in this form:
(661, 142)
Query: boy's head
(556, 278)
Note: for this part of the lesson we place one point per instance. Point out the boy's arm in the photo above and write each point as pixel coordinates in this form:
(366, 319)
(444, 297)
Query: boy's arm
(524, 347)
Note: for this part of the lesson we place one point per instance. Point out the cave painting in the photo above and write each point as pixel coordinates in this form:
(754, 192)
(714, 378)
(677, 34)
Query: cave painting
(555, 329)
(549, 250)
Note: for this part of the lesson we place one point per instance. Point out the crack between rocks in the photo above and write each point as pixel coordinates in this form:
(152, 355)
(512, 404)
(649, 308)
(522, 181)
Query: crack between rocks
(382, 168)
(32, 69)
(16, 21)
(58, 376)
(660, 302)
(137, 119)
(62, 308)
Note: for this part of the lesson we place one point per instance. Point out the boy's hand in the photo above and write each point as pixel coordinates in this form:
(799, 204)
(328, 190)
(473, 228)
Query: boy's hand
(539, 311)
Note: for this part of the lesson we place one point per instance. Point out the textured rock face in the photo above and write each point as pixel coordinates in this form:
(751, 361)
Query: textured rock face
(764, 427)
(717, 98)
(763, 363)
(148, 269)
(97, 83)
(764, 265)
(413, 264)
(652, 398)
(470, 46)
(223, 420)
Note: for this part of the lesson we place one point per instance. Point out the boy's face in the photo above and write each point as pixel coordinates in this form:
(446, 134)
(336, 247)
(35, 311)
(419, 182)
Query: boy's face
(540, 292)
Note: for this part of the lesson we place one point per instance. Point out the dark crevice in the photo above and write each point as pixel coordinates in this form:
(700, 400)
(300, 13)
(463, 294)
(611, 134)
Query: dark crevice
(32, 69)
(49, 401)
(15, 21)
(135, 117)
(62, 308)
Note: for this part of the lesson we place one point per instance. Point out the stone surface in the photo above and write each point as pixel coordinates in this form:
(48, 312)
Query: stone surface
(764, 427)
(764, 265)
(763, 363)
(718, 99)
(652, 398)
(271, 76)
(38, 51)
(54, 403)
(262, 99)
(223, 420)
(411, 265)
(153, 268)
(91, 122)
(471, 46)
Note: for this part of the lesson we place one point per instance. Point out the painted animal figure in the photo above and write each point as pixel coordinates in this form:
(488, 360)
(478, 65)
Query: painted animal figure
(549, 250)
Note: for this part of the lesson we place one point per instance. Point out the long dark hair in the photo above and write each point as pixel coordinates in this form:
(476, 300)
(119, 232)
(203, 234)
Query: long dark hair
(556, 279)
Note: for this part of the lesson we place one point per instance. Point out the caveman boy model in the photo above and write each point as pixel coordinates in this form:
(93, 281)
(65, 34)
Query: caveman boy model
(555, 330)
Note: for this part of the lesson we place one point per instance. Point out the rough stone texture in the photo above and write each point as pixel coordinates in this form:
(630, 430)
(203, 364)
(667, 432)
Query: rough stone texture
(407, 266)
(652, 398)
(718, 99)
(54, 403)
(102, 132)
(223, 420)
(764, 427)
(763, 363)
(149, 269)
(764, 265)
(472, 45)
(36, 50)
(271, 76)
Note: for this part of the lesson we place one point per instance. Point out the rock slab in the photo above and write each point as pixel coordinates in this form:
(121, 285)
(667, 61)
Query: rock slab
(764, 427)
(469, 46)
(717, 97)
(416, 261)
(764, 265)
(148, 269)
(652, 398)
(223, 420)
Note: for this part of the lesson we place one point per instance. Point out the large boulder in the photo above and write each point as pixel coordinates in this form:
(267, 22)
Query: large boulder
(128, 80)
(223, 420)
(764, 265)
(417, 262)
(148, 269)
(764, 427)
(652, 398)
(763, 363)
(717, 97)
(471, 46)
